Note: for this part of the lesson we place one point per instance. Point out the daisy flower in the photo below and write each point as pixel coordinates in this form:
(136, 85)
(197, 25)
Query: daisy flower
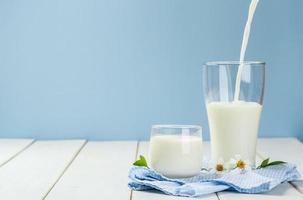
(239, 163)
(219, 166)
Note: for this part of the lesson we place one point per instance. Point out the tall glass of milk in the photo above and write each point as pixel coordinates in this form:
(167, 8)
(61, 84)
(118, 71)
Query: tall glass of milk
(233, 123)
(176, 150)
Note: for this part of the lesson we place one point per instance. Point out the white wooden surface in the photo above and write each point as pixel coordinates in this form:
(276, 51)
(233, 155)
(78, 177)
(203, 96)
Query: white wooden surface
(76, 170)
(99, 172)
(32, 173)
(9, 148)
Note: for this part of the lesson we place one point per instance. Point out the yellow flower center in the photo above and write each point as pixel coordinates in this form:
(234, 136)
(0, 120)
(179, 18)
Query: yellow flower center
(241, 164)
(219, 167)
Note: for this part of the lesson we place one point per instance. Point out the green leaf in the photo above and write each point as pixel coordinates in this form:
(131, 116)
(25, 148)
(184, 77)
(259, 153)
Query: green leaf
(278, 162)
(263, 164)
(266, 163)
(141, 162)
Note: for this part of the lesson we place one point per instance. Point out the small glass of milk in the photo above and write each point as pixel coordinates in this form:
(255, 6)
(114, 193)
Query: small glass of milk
(176, 150)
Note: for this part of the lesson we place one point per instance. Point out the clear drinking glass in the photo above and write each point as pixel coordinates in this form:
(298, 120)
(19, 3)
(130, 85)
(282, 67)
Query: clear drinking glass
(176, 150)
(234, 122)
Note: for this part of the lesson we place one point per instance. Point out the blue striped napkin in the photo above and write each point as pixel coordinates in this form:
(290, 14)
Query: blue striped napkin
(254, 181)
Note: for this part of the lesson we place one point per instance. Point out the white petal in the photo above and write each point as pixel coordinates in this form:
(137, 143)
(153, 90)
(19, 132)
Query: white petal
(236, 170)
(233, 161)
(238, 157)
(220, 161)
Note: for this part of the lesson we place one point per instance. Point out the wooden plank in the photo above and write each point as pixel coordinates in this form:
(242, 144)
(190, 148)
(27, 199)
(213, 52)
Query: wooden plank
(147, 195)
(32, 173)
(99, 172)
(9, 148)
(286, 149)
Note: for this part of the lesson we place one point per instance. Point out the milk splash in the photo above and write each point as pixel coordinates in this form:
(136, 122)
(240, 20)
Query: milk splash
(251, 11)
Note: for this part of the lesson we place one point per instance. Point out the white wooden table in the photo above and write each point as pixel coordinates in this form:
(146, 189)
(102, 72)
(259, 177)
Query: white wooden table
(91, 170)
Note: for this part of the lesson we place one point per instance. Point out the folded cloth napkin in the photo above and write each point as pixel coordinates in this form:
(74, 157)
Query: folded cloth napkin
(254, 181)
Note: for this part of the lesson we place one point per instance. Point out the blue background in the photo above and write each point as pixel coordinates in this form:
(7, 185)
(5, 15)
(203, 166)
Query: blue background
(110, 69)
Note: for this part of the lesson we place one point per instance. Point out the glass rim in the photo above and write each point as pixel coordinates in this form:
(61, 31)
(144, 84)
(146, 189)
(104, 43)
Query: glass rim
(232, 62)
(176, 126)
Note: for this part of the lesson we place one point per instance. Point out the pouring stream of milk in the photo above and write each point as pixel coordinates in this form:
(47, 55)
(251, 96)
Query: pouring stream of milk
(251, 11)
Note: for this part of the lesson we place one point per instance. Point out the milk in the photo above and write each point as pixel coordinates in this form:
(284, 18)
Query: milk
(176, 156)
(234, 125)
(251, 12)
(234, 129)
